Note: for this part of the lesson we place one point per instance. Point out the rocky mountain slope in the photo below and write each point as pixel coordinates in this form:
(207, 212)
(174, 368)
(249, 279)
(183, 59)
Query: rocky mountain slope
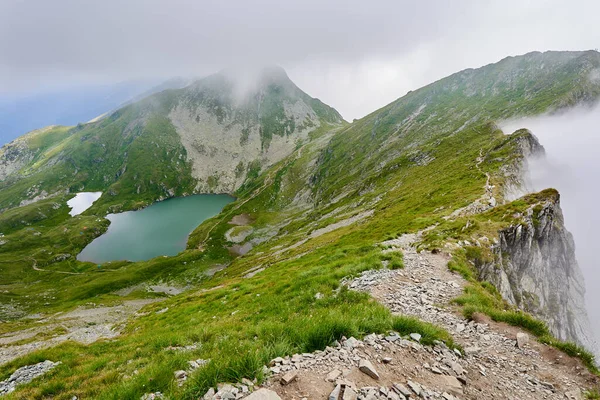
(311, 218)
(207, 137)
(535, 269)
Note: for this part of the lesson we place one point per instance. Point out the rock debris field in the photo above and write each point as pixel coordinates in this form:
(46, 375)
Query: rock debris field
(25, 375)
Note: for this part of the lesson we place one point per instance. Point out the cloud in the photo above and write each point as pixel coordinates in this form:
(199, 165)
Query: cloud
(355, 55)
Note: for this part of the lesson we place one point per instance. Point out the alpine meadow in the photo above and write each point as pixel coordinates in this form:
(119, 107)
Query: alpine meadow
(404, 255)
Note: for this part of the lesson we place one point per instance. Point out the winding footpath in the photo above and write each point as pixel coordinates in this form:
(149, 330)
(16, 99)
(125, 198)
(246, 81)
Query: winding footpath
(493, 364)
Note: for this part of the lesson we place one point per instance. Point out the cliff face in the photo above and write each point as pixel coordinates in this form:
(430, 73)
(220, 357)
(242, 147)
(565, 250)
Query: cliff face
(534, 265)
(516, 174)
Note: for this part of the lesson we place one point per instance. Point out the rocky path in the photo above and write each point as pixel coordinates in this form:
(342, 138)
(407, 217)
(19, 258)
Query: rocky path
(493, 365)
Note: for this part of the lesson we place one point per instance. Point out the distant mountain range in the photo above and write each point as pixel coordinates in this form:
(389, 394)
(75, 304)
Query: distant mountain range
(22, 113)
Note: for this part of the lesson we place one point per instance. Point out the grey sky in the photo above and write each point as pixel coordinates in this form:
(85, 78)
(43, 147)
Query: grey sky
(354, 55)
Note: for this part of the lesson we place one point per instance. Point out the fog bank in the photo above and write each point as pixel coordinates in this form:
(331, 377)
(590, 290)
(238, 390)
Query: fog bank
(572, 165)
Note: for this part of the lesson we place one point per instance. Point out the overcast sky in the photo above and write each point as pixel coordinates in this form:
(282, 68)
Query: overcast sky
(354, 55)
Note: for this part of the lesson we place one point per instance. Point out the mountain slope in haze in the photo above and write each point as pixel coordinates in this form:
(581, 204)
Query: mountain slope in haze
(207, 137)
(433, 161)
(69, 106)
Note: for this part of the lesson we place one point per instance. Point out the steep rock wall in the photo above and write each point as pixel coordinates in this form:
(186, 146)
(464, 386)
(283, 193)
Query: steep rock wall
(222, 152)
(516, 174)
(535, 269)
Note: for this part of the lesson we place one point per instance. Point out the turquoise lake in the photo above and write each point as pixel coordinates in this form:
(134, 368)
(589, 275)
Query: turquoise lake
(161, 229)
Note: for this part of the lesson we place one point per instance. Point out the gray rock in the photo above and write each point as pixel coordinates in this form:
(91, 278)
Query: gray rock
(367, 368)
(181, 374)
(536, 270)
(333, 375)
(148, 396)
(522, 340)
(349, 393)
(25, 375)
(276, 361)
(457, 368)
(415, 387)
(416, 337)
(450, 384)
(335, 393)
(401, 389)
(263, 394)
(574, 394)
(209, 394)
(289, 377)
(469, 351)
(351, 343)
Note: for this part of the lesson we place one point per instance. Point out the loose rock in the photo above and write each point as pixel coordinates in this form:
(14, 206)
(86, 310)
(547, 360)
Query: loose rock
(366, 367)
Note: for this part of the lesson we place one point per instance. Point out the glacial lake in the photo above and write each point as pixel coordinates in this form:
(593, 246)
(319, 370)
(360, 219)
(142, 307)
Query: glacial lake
(161, 229)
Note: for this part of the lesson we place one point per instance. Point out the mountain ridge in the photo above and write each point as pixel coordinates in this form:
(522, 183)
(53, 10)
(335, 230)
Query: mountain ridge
(432, 166)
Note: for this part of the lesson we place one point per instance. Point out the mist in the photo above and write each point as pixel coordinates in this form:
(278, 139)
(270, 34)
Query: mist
(572, 165)
(354, 55)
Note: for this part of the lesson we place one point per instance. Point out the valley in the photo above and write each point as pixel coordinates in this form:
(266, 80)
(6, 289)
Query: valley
(319, 204)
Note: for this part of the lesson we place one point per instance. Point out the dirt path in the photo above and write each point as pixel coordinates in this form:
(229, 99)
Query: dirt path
(491, 367)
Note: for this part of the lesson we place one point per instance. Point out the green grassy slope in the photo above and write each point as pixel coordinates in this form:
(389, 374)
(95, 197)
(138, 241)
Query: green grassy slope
(400, 169)
(135, 155)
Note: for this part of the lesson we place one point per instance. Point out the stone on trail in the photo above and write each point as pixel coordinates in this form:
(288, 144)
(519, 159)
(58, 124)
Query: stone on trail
(263, 394)
(457, 368)
(522, 339)
(415, 387)
(401, 389)
(351, 343)
(449, 384)
(469, 351)
(275, 361)
(335, 393)
(574, 394)
(366, 367)
(333, 375)
(416, 337)
(349, 394)
(289, 377)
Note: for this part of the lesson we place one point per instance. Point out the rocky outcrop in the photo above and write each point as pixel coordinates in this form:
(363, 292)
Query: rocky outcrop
(231, 129)
(536, 270)
(13, 157)
(223, 152)
(517, 180)
(25, 375)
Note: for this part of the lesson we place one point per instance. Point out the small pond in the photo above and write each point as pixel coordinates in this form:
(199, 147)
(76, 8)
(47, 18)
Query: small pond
(82, 201)
(161, 229)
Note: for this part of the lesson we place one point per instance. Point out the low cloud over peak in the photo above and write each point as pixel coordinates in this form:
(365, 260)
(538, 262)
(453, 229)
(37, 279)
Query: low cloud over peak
(354, 55)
